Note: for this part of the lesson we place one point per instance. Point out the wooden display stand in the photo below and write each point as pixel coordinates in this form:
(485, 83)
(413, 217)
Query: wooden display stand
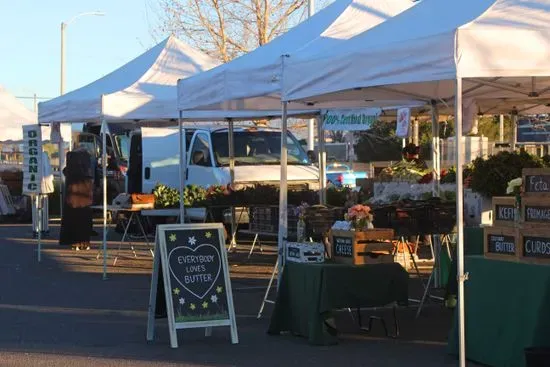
(501, 243)
(534, 230)
(361, 248)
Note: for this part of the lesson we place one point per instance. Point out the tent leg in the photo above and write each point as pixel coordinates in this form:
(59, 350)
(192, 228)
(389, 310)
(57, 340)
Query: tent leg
(283, 215)
(231, 146)
(461, 277)
(104, 178)
(321, 160)
(436, 156)
(183, 167)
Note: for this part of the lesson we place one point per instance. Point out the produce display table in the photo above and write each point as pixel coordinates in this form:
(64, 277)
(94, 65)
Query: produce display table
(507, 309)
(308, 294)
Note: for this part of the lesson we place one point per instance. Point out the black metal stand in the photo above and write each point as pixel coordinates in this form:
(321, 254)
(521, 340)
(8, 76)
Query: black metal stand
(372, 318)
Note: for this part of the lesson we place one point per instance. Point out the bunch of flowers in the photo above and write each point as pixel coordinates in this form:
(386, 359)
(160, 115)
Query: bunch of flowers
(514, 186)
(359, 216)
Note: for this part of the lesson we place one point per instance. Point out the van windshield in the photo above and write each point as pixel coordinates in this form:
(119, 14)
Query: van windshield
(257, 148)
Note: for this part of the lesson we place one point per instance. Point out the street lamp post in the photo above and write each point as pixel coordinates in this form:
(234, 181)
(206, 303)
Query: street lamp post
(62, 91)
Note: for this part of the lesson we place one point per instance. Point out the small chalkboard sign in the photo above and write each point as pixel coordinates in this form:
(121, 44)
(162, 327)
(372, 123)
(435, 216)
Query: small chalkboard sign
(197, 287)
(536, 247)
(343, 246)
(501, 244)
(505, 212)
(536, 213)
(536, 181)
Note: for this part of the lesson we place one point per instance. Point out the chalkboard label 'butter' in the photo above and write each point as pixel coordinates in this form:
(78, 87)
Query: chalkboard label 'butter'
(501, 244)
(343, 246)
(537, 183)
(536, 247)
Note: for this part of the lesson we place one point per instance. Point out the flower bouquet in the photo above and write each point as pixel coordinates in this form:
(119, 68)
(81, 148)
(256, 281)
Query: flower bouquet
(514, 188)
(360, 217)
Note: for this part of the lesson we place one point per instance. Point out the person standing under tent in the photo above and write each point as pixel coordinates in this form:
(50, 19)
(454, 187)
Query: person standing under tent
(76, 222)
(41, 200)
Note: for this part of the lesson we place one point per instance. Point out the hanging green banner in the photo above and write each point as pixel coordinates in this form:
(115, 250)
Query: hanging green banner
(350, 120)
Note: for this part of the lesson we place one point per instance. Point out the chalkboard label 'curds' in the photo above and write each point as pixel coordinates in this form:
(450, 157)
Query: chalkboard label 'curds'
(536, 247)
(537, 183)
(343, 246)
(196, 275)
(537, 213)
(504, 212)
(501, 244)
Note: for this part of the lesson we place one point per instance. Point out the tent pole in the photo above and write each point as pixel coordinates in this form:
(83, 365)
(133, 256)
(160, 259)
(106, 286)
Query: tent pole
(231, 146)
(461, 277)
(283, 204)
(514, 130)
(183, 167)
(436, 156)
(104, 178)
(321, 160)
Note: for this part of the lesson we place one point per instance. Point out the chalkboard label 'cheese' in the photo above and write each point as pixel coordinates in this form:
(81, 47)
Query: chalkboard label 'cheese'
(343, 246)
(536, 247)
(501, 244)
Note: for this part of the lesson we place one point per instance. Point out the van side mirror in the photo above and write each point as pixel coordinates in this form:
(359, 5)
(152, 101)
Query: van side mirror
(312, 156)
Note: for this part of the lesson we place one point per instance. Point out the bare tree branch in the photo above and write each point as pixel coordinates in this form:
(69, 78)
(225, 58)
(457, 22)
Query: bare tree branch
(226, 29)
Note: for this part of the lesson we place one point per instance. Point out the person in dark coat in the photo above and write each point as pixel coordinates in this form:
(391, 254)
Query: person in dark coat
(76, 221)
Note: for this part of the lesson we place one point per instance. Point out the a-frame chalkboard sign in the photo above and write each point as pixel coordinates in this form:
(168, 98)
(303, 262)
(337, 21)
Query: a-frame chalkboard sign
(191, 264)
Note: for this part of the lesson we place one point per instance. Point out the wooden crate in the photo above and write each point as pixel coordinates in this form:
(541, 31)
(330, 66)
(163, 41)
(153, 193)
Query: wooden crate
(501, 243)
(534, 245)
(536, 182)
(360, 248)
(503, 211)
(535, 212)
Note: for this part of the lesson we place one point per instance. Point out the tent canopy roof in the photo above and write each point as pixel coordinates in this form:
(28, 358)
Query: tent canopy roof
(144, 88)
(13, 115)
(497, 45)
(253, 81)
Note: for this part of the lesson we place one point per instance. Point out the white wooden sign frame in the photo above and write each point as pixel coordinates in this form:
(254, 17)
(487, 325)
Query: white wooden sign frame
(161, 259)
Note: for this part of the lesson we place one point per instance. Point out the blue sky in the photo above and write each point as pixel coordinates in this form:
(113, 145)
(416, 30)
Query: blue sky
(30, 42)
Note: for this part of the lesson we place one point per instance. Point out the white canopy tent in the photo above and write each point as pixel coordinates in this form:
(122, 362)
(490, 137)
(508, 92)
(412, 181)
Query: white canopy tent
(253, 82)
(142, 91)
(13, 115)
(438, 51)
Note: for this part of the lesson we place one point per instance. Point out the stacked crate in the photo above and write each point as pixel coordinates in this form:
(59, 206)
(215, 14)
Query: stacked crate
(522, 235)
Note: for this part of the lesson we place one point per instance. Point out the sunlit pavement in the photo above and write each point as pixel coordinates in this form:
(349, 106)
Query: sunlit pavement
(61, 313)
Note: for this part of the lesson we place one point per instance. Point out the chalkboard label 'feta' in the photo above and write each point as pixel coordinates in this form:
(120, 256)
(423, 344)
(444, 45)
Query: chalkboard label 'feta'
(537, 213)
(536, 247)
(501, 244)
(504, 212)
(343, 246)
(537, 183)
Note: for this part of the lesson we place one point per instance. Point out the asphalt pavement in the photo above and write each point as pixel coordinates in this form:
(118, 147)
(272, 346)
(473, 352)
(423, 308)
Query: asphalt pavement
(61, 313)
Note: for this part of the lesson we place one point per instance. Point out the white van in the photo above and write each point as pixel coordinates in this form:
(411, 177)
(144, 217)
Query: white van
(154, 159)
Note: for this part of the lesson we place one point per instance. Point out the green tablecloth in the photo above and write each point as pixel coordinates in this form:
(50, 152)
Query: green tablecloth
(309, 292)
(507, 309)
(473, 241)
